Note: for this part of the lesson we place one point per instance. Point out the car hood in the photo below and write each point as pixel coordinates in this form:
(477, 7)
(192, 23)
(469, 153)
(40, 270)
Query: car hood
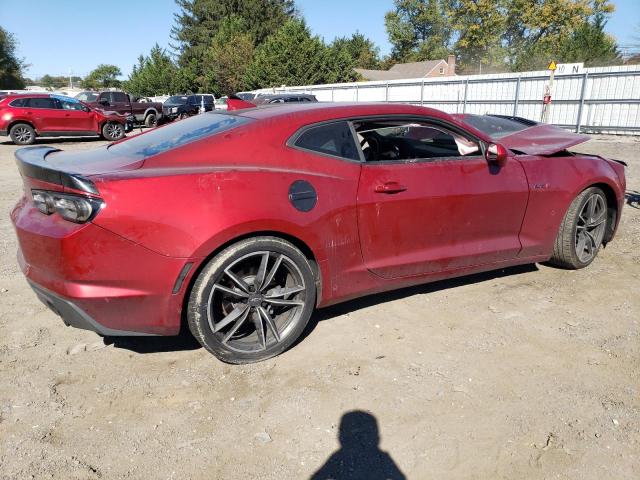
(541, 139)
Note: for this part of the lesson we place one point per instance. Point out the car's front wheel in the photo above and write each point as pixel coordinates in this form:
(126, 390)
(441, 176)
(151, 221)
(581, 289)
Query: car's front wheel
(252, 300)
(582, 230)
(22, 134)
(113, 131)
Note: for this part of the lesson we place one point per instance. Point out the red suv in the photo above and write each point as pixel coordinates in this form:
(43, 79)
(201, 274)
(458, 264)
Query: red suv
(25, 117)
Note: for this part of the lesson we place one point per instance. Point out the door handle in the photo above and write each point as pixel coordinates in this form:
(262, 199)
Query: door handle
(390, 187)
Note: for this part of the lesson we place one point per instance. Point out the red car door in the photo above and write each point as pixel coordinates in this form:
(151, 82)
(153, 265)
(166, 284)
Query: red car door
(428, 200)
(45, 114)
(77, 117)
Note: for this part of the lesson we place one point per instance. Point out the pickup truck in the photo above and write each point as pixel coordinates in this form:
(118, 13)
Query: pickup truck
(147, 113)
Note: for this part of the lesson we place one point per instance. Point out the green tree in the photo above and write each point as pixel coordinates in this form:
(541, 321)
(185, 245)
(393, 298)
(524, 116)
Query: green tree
(153, 75)
(479, 25)
(11, 66)
(590, 44)
(536, 29)
(227, 57)
(103, 76)
(420, 30)
(360, 49)
(198, 23)
(52, 82)
(292, 56)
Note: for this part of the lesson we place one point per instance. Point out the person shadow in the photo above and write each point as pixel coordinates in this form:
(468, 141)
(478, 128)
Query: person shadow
(359, 456)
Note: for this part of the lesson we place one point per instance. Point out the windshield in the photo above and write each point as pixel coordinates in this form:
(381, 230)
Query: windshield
(176, 100)
(177, 134)
(87, 96)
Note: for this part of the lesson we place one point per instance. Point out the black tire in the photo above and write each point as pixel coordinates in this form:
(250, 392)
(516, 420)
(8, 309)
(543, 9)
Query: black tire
(22, 134)
(581, 231)
(235, 329)
(151, 120)
(182, 116)
(113, 131)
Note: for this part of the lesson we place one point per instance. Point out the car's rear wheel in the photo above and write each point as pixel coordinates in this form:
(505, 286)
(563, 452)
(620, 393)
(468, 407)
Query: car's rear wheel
(582, 230)
(252, 300)
(151, 120)
(113, 131)
(22, 134)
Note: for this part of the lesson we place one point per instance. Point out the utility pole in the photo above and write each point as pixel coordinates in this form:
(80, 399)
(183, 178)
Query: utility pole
(70, 79)
(546, 101)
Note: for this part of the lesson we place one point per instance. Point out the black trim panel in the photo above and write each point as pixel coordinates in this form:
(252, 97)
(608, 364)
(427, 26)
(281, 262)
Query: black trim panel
(74, 316)
(32, 163)
(67, 133)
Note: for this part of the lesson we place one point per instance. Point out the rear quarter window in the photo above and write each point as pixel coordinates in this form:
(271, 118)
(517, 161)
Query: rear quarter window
(333, 139)
(177, 134)
(18, 102)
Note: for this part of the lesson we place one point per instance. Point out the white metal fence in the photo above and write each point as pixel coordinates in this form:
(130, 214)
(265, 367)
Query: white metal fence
(598, 100)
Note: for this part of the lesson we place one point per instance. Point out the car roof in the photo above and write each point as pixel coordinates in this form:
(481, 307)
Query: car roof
(338, 110)
(31, 95)
(314, 112)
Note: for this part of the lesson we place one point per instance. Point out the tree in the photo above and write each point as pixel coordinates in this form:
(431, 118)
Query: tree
(362, 51)
(11, 66)
(227, 57)
(153, 75)
(419, 30)
(518, 34)
(104, 76)
(479, 25)
(55, 82)
(292, 56)
(590, 44)
(199, 21)
(535, 30)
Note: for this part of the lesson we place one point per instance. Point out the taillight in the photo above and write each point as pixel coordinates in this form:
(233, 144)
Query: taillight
(74, 208)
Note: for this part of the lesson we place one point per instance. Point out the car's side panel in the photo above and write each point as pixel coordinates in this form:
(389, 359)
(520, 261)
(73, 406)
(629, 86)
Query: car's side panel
(554, 183)
(452, 213)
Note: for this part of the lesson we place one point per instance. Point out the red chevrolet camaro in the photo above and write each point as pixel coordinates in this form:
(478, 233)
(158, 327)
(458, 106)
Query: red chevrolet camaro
(239, 224)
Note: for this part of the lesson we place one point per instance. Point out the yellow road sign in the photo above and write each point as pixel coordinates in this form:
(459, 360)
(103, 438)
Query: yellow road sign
(552, 66)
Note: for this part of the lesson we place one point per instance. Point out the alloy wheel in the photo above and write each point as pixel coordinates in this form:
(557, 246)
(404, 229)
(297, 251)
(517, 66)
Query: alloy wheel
(22, 134)
(256, 301)
(114, 131)
(590, 227)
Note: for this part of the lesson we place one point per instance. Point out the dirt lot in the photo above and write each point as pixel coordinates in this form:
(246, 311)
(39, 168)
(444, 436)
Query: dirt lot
(529, 373)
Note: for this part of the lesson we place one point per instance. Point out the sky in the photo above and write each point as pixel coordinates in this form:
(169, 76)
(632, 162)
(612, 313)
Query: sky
(56, 36)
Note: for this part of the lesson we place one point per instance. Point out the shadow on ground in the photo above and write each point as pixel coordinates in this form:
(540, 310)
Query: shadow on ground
(185, 340)
(359, 456)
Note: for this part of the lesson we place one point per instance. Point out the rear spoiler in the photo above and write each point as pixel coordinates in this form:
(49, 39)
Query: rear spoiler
(32, 163)
(236, 103)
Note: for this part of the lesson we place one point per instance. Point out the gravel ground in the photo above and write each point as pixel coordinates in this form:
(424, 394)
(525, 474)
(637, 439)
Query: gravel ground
(529, 372)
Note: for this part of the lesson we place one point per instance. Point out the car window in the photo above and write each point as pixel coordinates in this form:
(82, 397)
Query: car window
(331, 139)
(87, 96)
(177, 134)
(496, 126)
(177, 100)
(67, 105)
(118, 97)
(18, 102)
(208, 99)
(41, 102)
(384, 140)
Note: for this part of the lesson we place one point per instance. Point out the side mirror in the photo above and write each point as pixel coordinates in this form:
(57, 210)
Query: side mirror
(496, 154)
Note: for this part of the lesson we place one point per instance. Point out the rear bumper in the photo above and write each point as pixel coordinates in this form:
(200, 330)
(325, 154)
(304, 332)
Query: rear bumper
(73, 316)
(97, 280)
